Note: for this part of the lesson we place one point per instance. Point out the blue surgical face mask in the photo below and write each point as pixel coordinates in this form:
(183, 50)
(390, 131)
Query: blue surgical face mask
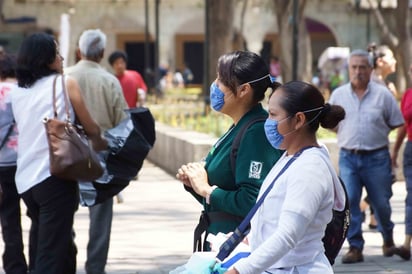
(216, 97)
(272, 133)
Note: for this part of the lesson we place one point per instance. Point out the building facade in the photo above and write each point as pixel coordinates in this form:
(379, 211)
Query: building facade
(180, 29)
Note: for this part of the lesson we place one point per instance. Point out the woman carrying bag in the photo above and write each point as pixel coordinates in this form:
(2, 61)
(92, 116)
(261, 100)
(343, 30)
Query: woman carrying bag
(51, 201)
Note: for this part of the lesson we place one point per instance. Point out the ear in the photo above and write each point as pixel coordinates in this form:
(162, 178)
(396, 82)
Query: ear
(244, 90)
(379, 61)
(300, 120)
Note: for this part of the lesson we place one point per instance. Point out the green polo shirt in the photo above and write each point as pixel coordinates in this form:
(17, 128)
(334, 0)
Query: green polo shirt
(236, 193)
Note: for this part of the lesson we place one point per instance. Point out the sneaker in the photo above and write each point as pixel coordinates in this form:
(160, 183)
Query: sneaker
(403, 252)
(354, 255)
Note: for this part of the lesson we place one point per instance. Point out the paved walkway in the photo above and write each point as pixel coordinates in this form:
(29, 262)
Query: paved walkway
(152, 230)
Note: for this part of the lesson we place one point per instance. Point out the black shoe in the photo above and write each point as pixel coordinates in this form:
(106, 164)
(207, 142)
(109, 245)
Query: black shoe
(388, 248)
(371, 226)
(403, 252)
(354, 255)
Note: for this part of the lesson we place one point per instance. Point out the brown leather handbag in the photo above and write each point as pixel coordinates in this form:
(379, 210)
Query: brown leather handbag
(71, 154)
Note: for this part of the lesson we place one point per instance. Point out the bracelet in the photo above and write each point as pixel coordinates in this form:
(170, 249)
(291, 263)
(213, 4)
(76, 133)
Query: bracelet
(210, 193)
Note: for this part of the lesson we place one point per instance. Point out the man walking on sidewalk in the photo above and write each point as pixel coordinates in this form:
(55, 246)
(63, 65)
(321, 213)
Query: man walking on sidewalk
(104, 99)
(364, 159)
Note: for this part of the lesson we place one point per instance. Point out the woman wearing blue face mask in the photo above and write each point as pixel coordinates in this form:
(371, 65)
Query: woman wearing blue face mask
(287, 229)
(227, 192)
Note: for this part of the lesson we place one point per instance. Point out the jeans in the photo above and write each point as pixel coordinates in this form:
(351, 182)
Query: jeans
(99, 236)
(372, 171)
(14, 261)
(407, 171)
(51, 206)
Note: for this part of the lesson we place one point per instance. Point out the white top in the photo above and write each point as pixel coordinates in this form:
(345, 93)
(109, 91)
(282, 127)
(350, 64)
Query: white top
(30, 107)
(288, 227)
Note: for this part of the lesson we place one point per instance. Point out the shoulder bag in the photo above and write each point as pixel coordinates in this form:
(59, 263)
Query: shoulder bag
(71, 154)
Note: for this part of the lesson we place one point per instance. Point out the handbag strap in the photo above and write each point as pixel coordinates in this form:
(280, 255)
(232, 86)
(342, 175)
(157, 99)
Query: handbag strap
(66, 100)
(243, 229)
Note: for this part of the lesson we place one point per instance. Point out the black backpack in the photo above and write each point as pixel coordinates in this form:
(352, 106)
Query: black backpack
(337, 230)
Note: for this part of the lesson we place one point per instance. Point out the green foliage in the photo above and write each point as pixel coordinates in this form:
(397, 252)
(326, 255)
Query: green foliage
(182, 108)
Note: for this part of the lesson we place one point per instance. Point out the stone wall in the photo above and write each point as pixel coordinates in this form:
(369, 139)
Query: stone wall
(175, 147)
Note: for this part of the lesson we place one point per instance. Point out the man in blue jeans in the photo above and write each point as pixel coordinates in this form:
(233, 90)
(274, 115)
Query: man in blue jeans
(364, 159)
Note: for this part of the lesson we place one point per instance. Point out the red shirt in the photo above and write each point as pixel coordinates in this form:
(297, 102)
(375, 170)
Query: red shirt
(131, 81)
(406, 108)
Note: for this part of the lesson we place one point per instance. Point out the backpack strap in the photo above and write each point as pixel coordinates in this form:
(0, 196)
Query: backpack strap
(238, 140)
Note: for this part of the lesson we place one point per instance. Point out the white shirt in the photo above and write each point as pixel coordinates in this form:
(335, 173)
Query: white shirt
(30, 106)
(288, 227)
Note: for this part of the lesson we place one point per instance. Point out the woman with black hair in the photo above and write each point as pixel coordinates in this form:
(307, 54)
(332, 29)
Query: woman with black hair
(288, 227)
(227, 190)
(51, 202)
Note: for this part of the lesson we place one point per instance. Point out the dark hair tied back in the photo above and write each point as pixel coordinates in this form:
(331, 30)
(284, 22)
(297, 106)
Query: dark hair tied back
(326, 109)
(331, 115)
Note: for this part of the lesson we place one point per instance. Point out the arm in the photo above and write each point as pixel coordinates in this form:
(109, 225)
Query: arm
(292, 227)
(405, 108)
(90, 126)
(142, 84)
(399, 140)
(118, 103)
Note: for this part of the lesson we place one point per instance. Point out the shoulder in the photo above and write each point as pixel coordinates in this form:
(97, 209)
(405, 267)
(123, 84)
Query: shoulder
(132, 72)
(375, 86)
(339, 93)
(70, 69)
(313, 163)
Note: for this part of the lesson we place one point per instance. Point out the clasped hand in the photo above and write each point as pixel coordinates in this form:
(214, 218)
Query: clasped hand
(194, 175)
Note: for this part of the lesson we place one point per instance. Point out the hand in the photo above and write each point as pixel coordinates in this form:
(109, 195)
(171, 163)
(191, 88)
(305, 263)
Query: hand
(99, 143)
(180, 175)
(198, 177)
(232, 271)
(394, 159)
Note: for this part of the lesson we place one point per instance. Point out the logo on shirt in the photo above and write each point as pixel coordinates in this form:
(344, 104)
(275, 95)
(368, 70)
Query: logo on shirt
(255, 169)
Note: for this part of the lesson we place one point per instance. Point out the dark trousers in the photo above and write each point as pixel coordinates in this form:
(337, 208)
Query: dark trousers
(14, 261)
(101, 216)
(51, 206)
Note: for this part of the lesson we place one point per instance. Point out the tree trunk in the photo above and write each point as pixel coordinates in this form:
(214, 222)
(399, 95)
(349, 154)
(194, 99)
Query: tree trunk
(403, 48)
(239, 40)
(221, 15)
(399, 42)
(283, 11)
